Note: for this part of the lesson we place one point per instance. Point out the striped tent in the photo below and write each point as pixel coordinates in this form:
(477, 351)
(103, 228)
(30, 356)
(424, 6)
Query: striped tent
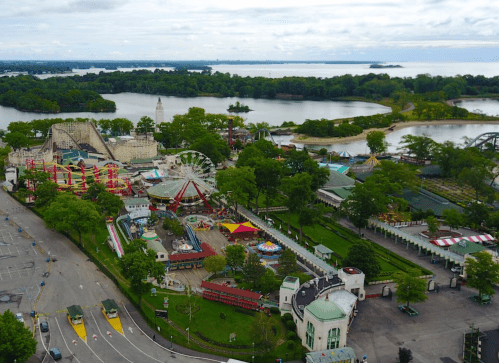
(450, 241)
(345, 154)
(372, 161)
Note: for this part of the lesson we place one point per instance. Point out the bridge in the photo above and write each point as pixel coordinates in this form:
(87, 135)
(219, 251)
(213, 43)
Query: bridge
(486, 138)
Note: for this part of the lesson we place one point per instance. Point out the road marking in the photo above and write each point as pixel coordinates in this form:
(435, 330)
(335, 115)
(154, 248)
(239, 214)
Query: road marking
(131, 330)
(103, 337)
(81, 287)
(33, 247)
(9, 273)
(74, 356)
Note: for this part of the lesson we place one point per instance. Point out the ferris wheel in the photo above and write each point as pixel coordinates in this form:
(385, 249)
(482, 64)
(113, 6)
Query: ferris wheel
(191, 180)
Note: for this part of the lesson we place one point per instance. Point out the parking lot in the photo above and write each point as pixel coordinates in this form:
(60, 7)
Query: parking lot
(435, 335)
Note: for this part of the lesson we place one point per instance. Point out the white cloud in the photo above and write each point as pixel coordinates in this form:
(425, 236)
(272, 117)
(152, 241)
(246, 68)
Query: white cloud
(208, 29)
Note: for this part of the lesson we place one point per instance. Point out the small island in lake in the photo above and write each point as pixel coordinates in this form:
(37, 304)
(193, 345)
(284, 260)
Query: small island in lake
(238, 107)
(385, 66)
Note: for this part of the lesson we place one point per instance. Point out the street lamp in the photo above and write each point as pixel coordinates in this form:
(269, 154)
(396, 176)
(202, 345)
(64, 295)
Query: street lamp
(171, 342)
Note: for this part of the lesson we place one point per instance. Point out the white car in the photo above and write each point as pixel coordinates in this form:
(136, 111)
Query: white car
(456, 269)
(19, 317)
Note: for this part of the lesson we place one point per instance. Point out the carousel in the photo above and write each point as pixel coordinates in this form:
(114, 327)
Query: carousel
(269, 250)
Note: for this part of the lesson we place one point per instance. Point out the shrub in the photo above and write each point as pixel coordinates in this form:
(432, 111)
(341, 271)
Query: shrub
(291, 335)
(291, 344)
(275, 310)
(287, 317)
(238, 279)
(290, 325)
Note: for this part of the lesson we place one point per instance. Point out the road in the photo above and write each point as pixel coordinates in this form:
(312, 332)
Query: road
(72, 279)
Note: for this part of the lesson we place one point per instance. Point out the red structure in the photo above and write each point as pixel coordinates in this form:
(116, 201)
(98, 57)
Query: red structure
(180, 195)
(183, 261)
(231, 296)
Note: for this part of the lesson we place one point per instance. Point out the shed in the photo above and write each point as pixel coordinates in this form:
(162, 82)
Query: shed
(323, 252)
(110, 306)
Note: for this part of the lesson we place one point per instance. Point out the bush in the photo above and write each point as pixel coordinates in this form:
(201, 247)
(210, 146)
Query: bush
(275, 310)
(290, 325)
(238, 279)
(287, 317)
(291, 335)
(291, 344)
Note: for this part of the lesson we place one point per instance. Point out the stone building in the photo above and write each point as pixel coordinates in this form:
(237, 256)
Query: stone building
(323, 308)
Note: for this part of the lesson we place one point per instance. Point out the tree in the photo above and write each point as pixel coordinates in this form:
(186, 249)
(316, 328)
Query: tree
(410, 288)
(376, 142)
(362, 256)
(215, 263)
(268, 174)
(139, 263)
(287, 263)
(93, 191)
(145, 125)
(16, 140)
(477, 213)
(68, 213)
(362, 204)
(109, 203)
(269, 282)
(306, 218)
(174, 226)
(474, 178)
(262, 334)
(17, 343)
(235, 256)
(213, 146)
(421, 147)
(299, 192)
(432, 225)
(238, 184)
(482, 272)
(405, 355)
(46, 193)
(253, 270)
(453, 218)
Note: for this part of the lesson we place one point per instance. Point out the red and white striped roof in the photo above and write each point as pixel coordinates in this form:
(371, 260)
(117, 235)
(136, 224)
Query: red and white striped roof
(451, 241)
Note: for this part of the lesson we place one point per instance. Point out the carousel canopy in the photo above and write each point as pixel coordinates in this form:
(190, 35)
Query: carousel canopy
(268, 247)
(240, 227)
(170, 189)
(345, 154)
(149, 236)
(185, 247)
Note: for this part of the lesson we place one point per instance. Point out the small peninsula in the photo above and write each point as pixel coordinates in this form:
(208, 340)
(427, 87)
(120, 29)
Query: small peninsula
(238, 107)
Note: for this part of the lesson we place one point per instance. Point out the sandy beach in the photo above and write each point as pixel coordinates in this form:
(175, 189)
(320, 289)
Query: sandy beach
(308, 140)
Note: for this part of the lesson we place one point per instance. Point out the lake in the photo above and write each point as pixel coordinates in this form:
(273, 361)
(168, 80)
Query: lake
(134, 105)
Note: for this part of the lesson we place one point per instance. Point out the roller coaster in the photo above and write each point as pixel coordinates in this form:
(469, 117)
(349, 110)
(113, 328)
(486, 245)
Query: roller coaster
(74, 178)
(484, 139)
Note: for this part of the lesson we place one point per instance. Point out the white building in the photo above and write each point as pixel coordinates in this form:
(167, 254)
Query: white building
(160, 113)
(138, 207)
(323, 308)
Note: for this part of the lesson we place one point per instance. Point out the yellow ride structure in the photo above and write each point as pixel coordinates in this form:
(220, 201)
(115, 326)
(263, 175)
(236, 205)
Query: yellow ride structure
(75, 318)
(110, 312)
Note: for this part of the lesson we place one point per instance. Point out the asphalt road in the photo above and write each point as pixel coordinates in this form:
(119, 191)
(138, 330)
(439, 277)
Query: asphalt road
(72, 279)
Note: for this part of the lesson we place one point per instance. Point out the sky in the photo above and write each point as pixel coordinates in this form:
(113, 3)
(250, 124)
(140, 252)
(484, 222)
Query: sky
(316, 30)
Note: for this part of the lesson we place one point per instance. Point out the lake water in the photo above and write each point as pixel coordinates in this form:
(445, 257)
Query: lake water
(133, 106)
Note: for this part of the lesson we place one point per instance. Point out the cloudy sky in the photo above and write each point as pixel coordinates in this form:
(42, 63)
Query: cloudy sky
(420, 30)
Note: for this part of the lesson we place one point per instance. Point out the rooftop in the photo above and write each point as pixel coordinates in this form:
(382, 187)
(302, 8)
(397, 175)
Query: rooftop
(323, 249)
(313, 287)
(231, 290)
(156, 246)
(424, 200)
(331, 355)
(136, 201)
(337, 179)
(325, 309)
(470, 248)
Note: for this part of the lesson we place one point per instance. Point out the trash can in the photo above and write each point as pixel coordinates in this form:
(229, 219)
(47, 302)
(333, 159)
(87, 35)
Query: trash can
(33, 244)
(48, 259)
(32, 314)
(43, 283)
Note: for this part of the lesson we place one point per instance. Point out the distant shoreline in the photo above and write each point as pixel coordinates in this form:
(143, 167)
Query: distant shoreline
(398, 126)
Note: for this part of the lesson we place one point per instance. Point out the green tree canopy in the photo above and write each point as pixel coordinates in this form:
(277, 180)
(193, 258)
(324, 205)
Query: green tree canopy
(137, 264)
(299, 192)
(214, 263)
(69, 213)
(410, 288)
(287, 263)
(453, 218)
(433, 225)
(213, 146)
(110, 204)
(253, 270)
(362, 256)
(422, 147)
(238, 184)
(376, 142)
(16, 140)
(46, 193)
(476, 213)
(17, 343)
(235, 256)
(482, 272)
(362, 204)
(145, 125)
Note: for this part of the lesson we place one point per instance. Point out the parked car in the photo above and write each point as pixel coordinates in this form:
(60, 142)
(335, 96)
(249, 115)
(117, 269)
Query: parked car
(456, 269)
(19, 317)
(44, 326)
(55, 353)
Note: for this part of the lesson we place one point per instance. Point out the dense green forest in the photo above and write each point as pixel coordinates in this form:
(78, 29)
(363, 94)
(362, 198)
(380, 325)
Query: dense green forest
(81, 93)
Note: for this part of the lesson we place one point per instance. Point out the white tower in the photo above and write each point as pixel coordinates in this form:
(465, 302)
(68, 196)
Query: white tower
(160, 113)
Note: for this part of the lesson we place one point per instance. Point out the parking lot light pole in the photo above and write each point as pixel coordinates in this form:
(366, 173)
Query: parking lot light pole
(171, 341)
